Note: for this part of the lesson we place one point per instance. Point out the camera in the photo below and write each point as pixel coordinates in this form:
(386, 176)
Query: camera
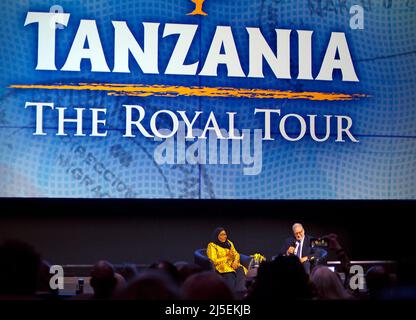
(319, 242)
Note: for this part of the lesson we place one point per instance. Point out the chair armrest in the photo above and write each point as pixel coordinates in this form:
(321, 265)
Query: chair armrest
(245, 260)
(201, 259)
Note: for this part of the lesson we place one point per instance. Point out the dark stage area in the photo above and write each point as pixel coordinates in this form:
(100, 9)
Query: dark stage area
(71, 231)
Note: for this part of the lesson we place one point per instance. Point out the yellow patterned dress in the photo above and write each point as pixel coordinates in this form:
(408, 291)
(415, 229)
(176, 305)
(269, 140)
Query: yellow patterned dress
(219, 257)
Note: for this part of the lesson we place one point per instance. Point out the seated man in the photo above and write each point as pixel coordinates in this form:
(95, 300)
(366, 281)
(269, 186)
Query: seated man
(300, 245)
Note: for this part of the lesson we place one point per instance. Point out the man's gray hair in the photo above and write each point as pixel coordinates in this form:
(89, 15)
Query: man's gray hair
(297, 225)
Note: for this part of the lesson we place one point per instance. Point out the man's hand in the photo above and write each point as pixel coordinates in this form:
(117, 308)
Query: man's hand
(234, 265)
(291, 250)
(303, 259)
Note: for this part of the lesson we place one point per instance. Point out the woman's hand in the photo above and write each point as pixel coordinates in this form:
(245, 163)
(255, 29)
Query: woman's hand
(234, 265)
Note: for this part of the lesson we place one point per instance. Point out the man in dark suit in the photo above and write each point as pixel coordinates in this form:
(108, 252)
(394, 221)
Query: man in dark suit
(300, 245)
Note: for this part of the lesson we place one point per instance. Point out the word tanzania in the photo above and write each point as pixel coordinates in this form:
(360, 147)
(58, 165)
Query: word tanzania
(222, 50)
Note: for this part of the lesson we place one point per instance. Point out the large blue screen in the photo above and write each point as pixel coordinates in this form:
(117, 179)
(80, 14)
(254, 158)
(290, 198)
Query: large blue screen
(322, 92)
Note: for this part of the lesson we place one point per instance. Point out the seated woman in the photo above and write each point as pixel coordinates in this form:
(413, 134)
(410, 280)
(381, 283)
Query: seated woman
(226, 260)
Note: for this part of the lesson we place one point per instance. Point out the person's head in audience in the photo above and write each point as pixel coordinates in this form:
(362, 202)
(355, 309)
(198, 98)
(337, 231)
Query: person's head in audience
(151, 285)
(404, 287)
(187, 269)
(19, 268)
(120, 282)
(378, 280)
(103, 280)
(129, 272)
(328, 285)
(169, 268)
(284, 278)
(206, 285)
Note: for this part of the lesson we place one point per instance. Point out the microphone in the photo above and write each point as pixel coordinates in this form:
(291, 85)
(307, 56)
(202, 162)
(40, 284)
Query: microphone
(297, 247)
(293, 244)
